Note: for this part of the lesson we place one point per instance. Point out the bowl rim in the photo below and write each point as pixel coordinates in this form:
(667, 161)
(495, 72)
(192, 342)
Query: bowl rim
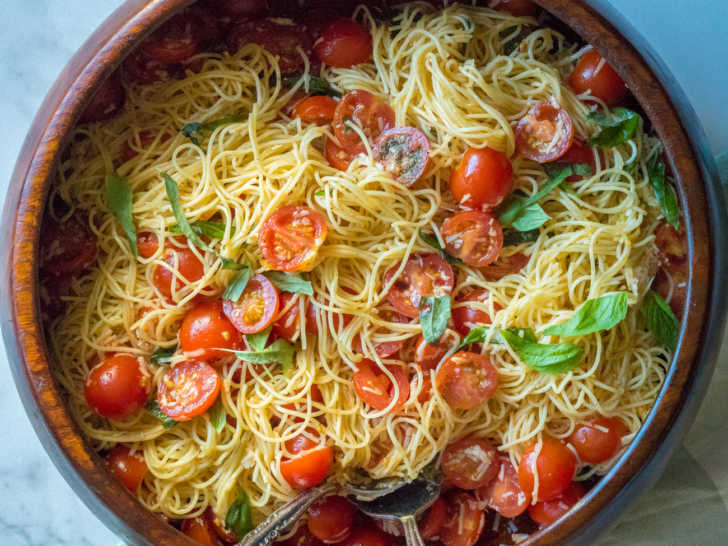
(676, 404)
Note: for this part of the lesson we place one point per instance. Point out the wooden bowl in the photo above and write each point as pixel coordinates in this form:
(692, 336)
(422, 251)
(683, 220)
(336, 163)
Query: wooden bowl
(701, 200)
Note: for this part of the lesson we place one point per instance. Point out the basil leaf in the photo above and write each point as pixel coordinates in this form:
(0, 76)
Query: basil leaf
(434, 314)
(289, 283)
(184, 226)
(319, 193)
(660, 320)
(257, 342)
(196, 131)
(218, 415)
(618, 126)
(153, 407)
(581, 169)
(477, 334)
(664, 192)
(119, 202)
(514, 208)
(163, 355)
(237, 285)
(216, 230)
(596, 314)
(239, 519)
(512, 237)
(544, 358)
(316, 85)
(280, 352)
(432, 241)
(227, 263)
(530, 217)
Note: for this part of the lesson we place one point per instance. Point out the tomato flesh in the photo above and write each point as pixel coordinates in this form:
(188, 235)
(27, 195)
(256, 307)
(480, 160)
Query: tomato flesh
(482, 179)
(555, 464)
(370, 113)
(317, 110)
(127, 467)
(434, 520)
(186, 263)
(188, 389)
(503, 494)
(175, 41)
(289, 238)
(404, 152)
(428, 356)
(580, 154)
(464, 522)
(505, 265)
(331, 519)
(546, 512)
(200, 530)
(147, 244)
(206, 333)
(593, 74)
(671, 244)
(309, 467)
(384, 349)
(67, 247)
(545, 133)
(286, 324)
(376, 389)
(343, 44)
(599, 439)
(117, 387)
(473, 236)
(466, 380)
(338, 157)
(256, 308)
(519, 8)
(469, 463)
(367, 535)
(107, 102)
(424, 275)
(467, 317)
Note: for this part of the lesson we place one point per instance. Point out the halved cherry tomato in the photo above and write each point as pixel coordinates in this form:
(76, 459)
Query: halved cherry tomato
(147, 244)
(367, 535)
(338, 157)
(289, 238)
(331, 518)
(555, 464)
(404, 152)
(343, 44)
(286, 325)
(505, 265)
(175, 41)
(370, 113)
(376, 389)
(504, 494)
(107, 102)
(429, 356)
(580, 154)
(118, 387)
(469, 463)
(425, 393)
(546, 512)
(138, 68)
(483, 179)
(188, 389)
(185, 262)
(466, 380)
(424, 275)
(206, 332)
(200, 530)
(256, 308)
(318, 110)
(593, 74)
(302, 537)
(384, 349)
(67, 247)
(434, 519)
(466, 317)
(545, 133)
(519, 8)
(465, 520)
(146, 138)
(599, 439)
(671, 244)
(310, 465)
(127, 467)
(473, 236)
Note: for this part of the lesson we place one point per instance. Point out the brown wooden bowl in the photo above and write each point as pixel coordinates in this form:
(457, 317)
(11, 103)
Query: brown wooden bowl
(685, 385)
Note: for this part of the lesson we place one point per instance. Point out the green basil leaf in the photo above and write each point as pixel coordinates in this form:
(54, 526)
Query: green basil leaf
(660, 320)
(119, 202)
(530, 218)
(215, 230)
(278, 352)
(227, 263)
(218, 415)
(237, 285)
(316, 85)
(514, 208)
(195, 131)
(163, 355)
(434, 314)
(596, 314)
(239, 518)
(618, 126)
(512, 237)
(477, 334)
(153, 407)
(544, 358)
(184, 226)
(257, 342)
(430, 240)
(320, 193)
(289, 283)
(553, 169)
(664, 192)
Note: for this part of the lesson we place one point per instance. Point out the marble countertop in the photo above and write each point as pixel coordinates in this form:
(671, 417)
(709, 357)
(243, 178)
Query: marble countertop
(38, 507)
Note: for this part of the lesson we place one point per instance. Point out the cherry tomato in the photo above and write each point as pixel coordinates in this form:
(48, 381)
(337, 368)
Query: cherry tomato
(429, 356)
(127, 467)
(218, 525)
(187, 264)
(200, 530)
(146, 138)
(599, 439)
(175, 41)
(424, 275)
(138, 68)
(343, 44)
(545, 133)
(51, 292)
(331, 519)
(465, 317)
(367, 535)
(404, 152)
(376, 389)
(555, 464)
(302, 537)
(289, 238)
(206, 333)
(318, 110)
(464, 522)
(580, 154)
(673, 288)
(671, 244)
(469, 463)
(384, 349)
(188, 389)
(504, 494)
(370, 113)
(466, 380)
(286, 325)
(473, 236)
(107, 102)
(505, 265)
(147, 244)
(338, 157)
(118, 387)
(434, 519)
(518, 8)
(238, 9)
(425, 393)
(546, 512)
(483, 179)
(256, 308)
(67, 247)
(310, 464)
(593, 74)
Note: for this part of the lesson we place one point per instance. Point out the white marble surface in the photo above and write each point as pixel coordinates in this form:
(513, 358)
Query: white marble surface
(37, 37)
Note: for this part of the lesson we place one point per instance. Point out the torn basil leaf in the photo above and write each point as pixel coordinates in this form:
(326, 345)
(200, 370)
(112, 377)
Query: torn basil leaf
(434, 315)
(257, 341)
(218, 415)
(239, 518)
(593, 315)
(618, 126)
(660, 320)
(153, 407)
(237, 285)
(184, 226)
(512, 237)
(664, 192)
(544, 358)
(289, 283)
(215, 230)
(163, 355)
(278, 352)
(119, 202)
(530, 218)
(196, 131)
(316, 85)
(518, 204)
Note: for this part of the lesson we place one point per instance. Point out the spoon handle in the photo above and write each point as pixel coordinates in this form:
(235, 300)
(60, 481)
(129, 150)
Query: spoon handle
(411, 532)
(285, 516)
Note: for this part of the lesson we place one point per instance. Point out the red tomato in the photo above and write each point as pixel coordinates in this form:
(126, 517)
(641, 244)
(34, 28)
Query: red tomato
(672, 247)
(118, 387)
(175, 41)
(51, 293)
(343, 44)
(338, 157)
(464, 522)
(519, 8)
(311, 464)
(107, 102)
(256, 308)
(218, 526)
(238, 9)
(425, 393)
(370, 113)
(580, 154)
(367, 535)
(545, 133)
(434, 519)
(429, 356)
(318, 110)
(673, 288)
(546, 512)
(593, 74)
(188, 389)
(289, 238)
(599, 439)
(424, 275)
(200, 530)
(505, 265)
(504, 494)
(384, 349)
(206, 333)
(331, 519)
(404, 152)
(473, 236)
(302, 537)
(127, 467)
(146, 138)
(466, 380)
(483, 179)
(376, 389)
(138, 68)
(555, 464)
(286, 325)
(467, 318)
(67, 247)
(187, 264)
(469, 463)
(147, 244)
